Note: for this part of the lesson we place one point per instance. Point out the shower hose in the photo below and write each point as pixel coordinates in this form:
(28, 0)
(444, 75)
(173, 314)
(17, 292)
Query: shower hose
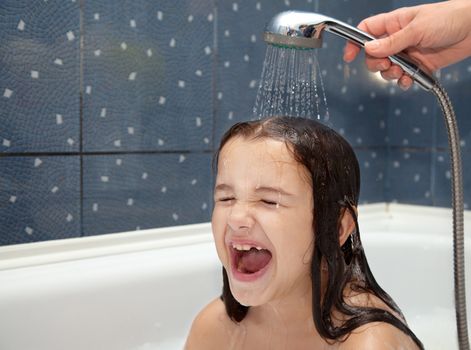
(458, 208)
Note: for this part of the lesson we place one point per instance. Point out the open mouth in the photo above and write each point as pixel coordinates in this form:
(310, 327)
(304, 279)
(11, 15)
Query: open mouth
(248, 259)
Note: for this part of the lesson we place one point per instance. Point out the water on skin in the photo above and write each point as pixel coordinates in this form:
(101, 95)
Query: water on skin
(289, 85)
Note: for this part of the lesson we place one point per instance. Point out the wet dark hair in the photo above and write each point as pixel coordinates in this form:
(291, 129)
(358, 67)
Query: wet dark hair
(335, 175)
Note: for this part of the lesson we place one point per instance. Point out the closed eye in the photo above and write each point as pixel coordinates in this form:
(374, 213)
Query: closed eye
(225, 199)
(269, 202)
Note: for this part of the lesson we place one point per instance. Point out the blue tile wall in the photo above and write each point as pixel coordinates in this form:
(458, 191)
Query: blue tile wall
(111, 110)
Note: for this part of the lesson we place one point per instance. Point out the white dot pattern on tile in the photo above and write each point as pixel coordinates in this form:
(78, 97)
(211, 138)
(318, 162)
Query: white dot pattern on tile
(7, 93)
(21, 25)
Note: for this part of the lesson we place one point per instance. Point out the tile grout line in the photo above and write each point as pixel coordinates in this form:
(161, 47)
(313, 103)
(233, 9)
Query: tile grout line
(81, 110)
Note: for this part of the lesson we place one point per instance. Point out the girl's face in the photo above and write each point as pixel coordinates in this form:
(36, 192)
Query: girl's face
(262, 220)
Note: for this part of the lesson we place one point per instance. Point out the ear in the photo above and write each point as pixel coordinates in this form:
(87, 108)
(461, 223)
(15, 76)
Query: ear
(346, 225)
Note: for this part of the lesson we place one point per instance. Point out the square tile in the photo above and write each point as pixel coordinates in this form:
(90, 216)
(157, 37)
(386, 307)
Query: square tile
(39, 76)
(409, 177)
(141, 191)
(148, 75)
(40, 198)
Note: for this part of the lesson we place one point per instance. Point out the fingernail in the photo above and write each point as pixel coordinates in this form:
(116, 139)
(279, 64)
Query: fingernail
(372, 45)
(403, 86)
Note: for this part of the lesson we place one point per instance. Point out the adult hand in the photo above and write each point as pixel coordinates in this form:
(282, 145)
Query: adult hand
(435, 35)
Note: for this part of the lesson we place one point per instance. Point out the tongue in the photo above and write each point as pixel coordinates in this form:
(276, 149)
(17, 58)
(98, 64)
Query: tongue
(254, 260)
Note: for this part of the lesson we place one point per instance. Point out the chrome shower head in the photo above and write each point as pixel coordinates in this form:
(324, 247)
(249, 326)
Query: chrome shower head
(303, 30)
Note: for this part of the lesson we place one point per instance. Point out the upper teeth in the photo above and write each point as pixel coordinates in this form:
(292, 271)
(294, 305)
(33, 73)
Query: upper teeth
(244, 247)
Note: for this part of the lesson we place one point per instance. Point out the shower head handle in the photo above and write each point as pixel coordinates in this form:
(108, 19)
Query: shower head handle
(303, 30)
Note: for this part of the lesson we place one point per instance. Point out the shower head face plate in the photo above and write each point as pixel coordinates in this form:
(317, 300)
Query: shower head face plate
(292, 42)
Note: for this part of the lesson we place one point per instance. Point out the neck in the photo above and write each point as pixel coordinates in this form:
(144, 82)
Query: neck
(291, 314)
(288, 315)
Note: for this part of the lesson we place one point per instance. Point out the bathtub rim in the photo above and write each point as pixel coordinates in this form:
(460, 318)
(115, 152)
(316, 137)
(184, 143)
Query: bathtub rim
(389, 217)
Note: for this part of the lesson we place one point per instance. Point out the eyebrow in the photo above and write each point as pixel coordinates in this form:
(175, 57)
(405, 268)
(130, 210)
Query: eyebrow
(226, 187)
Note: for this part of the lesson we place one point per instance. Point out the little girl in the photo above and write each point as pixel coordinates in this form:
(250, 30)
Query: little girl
(285, 228)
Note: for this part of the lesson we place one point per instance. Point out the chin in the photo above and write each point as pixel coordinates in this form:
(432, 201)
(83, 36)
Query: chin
(247, 296)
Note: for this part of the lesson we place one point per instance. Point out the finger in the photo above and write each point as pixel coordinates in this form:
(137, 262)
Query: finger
(377, 64)
(385, 24)
(350, 52)
(393, 73)
(392, 44)
(393, 31)
(405, 82)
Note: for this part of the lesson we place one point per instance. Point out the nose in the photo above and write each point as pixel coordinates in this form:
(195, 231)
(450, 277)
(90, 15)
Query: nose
(240, 217)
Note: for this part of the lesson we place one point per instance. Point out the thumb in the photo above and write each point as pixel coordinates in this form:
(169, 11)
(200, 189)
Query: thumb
(390, 45)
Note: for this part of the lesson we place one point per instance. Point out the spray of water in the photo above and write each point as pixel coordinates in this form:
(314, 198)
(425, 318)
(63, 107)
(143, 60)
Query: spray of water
(288, 85)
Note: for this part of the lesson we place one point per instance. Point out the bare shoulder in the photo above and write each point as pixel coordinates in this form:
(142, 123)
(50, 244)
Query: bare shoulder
(378, 336)
(211, 328)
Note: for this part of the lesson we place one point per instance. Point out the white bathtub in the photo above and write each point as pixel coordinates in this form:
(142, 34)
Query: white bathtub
(141, 290)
